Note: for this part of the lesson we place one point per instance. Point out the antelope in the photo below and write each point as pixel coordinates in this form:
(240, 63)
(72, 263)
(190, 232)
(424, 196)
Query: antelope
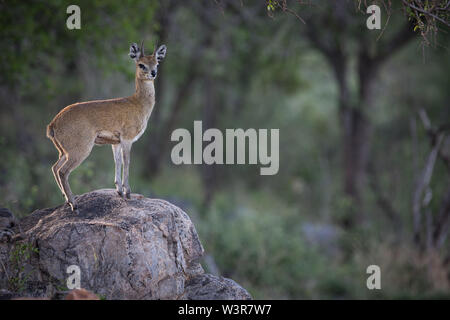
(120, 122)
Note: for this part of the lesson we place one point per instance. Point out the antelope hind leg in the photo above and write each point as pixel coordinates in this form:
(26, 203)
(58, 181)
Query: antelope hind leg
(74, 159)
(61, 159)
(63, 174)
(55, 169)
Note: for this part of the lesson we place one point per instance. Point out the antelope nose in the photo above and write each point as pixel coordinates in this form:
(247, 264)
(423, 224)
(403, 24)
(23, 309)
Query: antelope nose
(153, 73)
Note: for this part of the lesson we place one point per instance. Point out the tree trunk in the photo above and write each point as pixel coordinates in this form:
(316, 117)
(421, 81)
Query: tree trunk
(355, 129)
(356, 132)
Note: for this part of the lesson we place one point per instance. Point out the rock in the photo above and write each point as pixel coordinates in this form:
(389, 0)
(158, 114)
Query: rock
(6, 294)
(209, 287)
(125, 249)
(7, 222)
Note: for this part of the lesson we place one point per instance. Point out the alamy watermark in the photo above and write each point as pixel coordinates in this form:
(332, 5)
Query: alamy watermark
(74, 20)
(74, 279)
(374, 280)
(374, 20)
(245, 146)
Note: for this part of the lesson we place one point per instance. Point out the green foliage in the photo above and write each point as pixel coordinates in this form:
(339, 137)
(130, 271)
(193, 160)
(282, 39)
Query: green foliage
(260, 242)
(30, 32)
(261, 251)
(61, 285)
(20, 256)
(426, 15)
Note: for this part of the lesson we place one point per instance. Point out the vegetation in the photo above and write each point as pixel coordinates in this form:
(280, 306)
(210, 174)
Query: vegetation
(20, 256)
(363, 118)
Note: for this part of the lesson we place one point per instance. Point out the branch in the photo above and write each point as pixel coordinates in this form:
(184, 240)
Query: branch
(441, 227)
(422, 184)
(285, 8)
(433, 134)
(437, 137)
(428, 13)
(281, 4)
(398, 41)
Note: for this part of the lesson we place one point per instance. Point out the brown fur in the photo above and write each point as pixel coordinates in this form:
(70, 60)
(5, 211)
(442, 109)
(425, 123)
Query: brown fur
(120, 122)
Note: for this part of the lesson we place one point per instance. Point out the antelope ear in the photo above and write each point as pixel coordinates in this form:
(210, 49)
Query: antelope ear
(135, 52)
(160, 53)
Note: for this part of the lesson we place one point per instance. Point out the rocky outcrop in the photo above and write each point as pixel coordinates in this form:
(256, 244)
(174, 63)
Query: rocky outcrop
(210, 287)
(7, 223)
(138, 248)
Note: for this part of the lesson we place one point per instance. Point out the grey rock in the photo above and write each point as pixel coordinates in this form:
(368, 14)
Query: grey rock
(6, 294)
(138, 248)
(210, 287)
(6, 218)
(7, 222)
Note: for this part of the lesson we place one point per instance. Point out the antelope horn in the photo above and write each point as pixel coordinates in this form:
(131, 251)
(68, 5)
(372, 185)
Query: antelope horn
(142, 48)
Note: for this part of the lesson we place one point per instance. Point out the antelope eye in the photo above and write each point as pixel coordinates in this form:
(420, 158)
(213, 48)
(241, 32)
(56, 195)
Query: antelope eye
(142, 66)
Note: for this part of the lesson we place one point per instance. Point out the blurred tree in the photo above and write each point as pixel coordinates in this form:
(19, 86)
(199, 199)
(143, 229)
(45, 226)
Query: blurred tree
(338, 31)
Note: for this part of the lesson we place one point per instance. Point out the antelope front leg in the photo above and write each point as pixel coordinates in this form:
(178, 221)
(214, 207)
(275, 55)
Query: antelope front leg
(117, 151)
(126, 148)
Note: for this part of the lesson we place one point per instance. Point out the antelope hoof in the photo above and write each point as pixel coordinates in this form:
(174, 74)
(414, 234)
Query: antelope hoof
(74, 207)
(128, 194)
(119, 188)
